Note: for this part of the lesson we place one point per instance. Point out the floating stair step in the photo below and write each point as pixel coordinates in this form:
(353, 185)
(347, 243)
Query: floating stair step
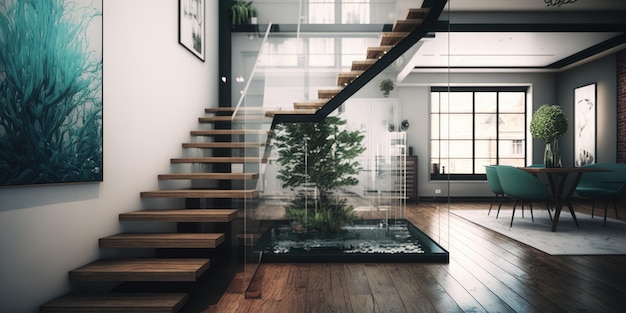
(218, 132)
(200, 194)
(377, 52)
(165, 240)
(183, 215)
(230, 145)
(343, 79)
(239, 118)
(418, 13)
(207, 176)
(363, 65)
(309, 105)
(232, 109)
(297, 111)
(141, 270)
(406, 25)
(95, 302)
(392, 39)
(233, 160)
(327, 93)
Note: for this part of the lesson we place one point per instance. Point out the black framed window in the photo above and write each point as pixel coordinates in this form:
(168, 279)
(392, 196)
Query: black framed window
(472, 127)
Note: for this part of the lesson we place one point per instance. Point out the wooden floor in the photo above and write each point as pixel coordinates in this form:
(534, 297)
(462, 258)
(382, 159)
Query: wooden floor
(487, 272)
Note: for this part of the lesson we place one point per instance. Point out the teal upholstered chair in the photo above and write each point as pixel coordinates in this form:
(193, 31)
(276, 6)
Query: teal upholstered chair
(494, 185)
(603, 186)
(523, 187)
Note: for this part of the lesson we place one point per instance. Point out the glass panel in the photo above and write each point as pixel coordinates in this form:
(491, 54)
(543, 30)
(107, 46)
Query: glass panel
(512, 126)
(512, 102)
(486, 126)
(321, 11)
(460, 127)
(321, 52)
(486, 148)
(461, 102)
(460, 166)
(355, 11)
(486, 102)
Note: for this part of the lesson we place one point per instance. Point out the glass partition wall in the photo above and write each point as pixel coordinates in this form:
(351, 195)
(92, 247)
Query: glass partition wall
(330, 189)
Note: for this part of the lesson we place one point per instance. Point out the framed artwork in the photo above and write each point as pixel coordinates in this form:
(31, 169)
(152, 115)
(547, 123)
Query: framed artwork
(50, 92)
(191, 25)
(585, 125)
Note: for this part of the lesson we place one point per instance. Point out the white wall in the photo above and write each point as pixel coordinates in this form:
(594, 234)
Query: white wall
(154, 91)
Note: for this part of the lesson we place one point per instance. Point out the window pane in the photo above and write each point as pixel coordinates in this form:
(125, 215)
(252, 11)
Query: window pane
(434, 151)
(435, 126)
(512, 102)
(434, 102)
(461, 148)
(511, 148)
(512, 162)
(512, 126)
(486, 148)
(460, 166)
(486, 102)
(460, 126)
(321, 52)
(486, 127)
(321, 11)
(355, 12)
(479, 167)
(461, 102)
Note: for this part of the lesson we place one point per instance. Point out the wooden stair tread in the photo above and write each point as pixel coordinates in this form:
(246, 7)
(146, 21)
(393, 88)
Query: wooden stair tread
(216, 176)
(208, 145)
(377, 52)
(392, 38)
(363, 65)
(101, 302)
(200, 193)
(239, 117)
(406, 25)
(314, 105)
(232, 109)
(296, 111)
(345, 78)
(141, 270)
(183, 215)
(418, 13)
(162, 240)
(219, 160)
(217, 132)
(327, 93)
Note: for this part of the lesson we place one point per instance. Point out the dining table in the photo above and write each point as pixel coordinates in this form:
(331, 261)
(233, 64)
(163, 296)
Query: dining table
(563, 182)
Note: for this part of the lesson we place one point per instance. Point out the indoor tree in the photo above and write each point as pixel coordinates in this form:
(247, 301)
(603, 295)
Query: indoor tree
(322, 156)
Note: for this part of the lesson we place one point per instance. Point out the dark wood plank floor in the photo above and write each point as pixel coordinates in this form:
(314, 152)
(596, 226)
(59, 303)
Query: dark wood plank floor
(487, 272)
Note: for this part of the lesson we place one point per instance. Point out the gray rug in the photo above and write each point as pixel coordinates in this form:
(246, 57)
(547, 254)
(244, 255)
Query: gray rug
(592, 238)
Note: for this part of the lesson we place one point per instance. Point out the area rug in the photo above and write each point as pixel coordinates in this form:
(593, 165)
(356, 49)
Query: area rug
(592, 238)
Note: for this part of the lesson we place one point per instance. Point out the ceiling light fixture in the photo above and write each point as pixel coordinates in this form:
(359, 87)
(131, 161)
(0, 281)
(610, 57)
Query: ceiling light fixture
(558, 3)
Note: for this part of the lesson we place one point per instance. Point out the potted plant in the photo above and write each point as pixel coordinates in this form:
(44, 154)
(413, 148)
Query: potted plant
(241, 12)
(253, 14)
(321, 157)
(549, 123)
(386, 86)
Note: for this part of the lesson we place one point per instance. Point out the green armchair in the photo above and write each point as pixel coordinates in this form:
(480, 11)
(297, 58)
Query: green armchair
(524, 187)
(607, 186)
(494, 185)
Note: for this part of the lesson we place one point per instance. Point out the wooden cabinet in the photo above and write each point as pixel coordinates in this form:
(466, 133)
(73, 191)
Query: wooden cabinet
(411, 178)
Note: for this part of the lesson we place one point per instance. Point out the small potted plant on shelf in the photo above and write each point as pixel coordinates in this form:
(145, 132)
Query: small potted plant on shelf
(549, 123)
(242, 12)
(386, 86)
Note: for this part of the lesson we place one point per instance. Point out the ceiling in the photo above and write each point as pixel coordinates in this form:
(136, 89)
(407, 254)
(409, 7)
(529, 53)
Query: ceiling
(523, 35)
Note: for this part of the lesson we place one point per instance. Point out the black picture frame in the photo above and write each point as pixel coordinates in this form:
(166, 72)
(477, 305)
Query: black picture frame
(191, 26)
(585, 125)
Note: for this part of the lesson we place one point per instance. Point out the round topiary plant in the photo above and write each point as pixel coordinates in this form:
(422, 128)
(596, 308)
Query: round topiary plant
(548, 124)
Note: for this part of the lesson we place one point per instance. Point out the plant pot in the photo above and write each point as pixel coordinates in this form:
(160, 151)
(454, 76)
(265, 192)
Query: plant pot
(552, 155)
(253, 20)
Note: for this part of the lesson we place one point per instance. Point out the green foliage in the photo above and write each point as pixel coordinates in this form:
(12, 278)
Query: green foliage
(241, 12)
(548, 123)
(50, 94)
(328, 219)
(386, 86)
(321, 154)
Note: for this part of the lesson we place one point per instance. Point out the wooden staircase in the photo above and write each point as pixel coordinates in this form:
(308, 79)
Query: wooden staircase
(167, 269)
(190, 269)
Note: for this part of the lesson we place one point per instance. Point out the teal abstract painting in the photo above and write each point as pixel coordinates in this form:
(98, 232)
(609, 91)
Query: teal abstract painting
(50, 91)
